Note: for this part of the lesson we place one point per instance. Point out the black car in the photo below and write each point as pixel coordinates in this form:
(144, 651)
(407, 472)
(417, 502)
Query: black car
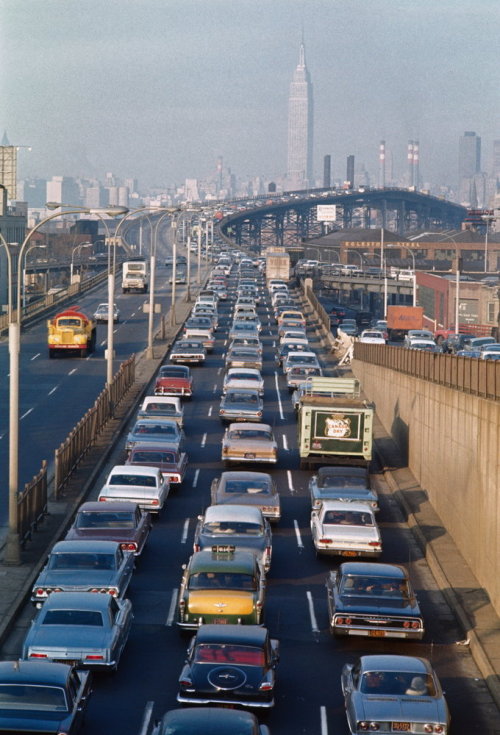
(373, 600)
(209, 721)
(39, 697)
(230, 664)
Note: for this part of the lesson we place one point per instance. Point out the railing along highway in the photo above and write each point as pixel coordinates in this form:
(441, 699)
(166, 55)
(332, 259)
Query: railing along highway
(468, 374)
(32, 504)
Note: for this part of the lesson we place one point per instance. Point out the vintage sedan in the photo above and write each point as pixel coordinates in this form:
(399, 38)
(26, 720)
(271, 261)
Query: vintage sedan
(158, 430)
(246, 342)
(174, 380)
(38, 697)
(375, 600)
(242, 329)
(224, 587)
(345, 530)
(147, 486)
(188, 351)
(243, 378)
(205, 336)
(168, 458)
(232, 665)
(243, 443)
(300, 373)
(120, 521)
(84, 566)
(248, 488)
(101, 314)
(244, 357)
(239, 404)
(166, 407)
(209, 721)
(230, 527)
(300, 358)
(80, 628)
(390, 693)
(372, 337)
(349, 484)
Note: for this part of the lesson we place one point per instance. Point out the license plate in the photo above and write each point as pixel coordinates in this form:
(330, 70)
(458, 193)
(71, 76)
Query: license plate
(401, 726)
(223, 549)
(68, 661)
(249, 455)
(377, 633)
(219, 621)
(349, 553)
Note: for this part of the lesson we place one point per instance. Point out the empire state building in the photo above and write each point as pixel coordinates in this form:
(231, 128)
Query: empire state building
(300, 127)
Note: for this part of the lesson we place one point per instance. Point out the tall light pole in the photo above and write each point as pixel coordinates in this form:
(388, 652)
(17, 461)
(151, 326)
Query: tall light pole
(360, 255)
(414, 277)
(12, 549)
(76, 249)
(28, 250)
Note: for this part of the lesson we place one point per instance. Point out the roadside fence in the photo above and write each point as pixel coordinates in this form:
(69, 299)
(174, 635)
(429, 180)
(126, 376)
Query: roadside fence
(32, 504)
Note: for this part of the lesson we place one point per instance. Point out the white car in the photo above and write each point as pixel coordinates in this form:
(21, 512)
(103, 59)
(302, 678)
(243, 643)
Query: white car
(343, 529)
(243, 378)
(372, 337)
(293, 334)
(146, 486)
(293, 359)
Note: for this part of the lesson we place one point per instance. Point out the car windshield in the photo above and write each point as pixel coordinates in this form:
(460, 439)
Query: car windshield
(251, 398)
(397, 683)
(91, 618)
(359, 586)
(32, 697)
(229, 654)
(251, 434)
(80, 560)
(216, 528)
(155, 458)
(104, 519)
(252, 487)
(222, 580)
(164, 429)
(133, 480)
(347, 518)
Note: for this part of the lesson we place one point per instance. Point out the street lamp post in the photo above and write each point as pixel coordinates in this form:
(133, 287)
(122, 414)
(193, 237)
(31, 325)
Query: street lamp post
(76, 249)
(360, 256)
(414, 277)
(28, 250)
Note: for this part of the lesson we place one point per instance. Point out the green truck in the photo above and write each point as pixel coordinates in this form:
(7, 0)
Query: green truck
(335, 425)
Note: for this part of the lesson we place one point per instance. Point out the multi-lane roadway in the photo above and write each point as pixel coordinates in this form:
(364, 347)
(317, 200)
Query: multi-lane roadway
(308, 696)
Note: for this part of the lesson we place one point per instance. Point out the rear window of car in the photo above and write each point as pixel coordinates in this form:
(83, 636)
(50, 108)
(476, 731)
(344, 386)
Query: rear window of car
(133, 480)
(88, 519)
(32, 697)
(79, 560)
(252, 487)
(224, 653)
(154, 457)
(92, 618)
(233, 527)
(252, 434)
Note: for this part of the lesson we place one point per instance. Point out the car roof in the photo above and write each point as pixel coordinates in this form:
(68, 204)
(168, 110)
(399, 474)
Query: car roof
(147, 447)
(248, 371)
(127, 470)
(373, 569)
(340, 505)
(209, 721)
(86, 546)
(342, 471)
(33, 672)
(241, 425)
(233, 512)
(245, 475)
(394, 662)
(112, 506)
(234, 561)
(244, 634)
(78, 601)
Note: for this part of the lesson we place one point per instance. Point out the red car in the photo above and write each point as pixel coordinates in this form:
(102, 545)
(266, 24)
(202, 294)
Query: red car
(168, 458)
(174, 380)
(114, 521)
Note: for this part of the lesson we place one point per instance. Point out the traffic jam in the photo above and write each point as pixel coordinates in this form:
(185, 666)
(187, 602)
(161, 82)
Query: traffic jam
(252, 333)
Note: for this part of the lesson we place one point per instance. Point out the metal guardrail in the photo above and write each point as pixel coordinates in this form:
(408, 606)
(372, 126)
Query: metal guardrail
(467, 374)
(32, 504)
(316, 305)
(79, 441)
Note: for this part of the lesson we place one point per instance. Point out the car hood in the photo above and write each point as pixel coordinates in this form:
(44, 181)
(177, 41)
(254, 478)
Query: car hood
(236, 602)
(73, 637)
(398, 709)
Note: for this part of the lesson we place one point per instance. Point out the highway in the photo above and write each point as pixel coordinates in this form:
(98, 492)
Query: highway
(308, 696)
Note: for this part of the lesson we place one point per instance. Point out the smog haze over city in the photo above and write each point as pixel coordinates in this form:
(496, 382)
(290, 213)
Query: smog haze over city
(158, 89)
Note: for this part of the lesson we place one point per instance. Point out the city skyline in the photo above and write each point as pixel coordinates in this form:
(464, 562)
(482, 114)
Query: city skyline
(159, 92)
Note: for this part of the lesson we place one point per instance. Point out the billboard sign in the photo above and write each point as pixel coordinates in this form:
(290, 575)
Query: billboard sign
(326, 212)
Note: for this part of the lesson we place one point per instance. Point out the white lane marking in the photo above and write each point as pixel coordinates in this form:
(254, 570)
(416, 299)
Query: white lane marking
(35, 356)
(72, 371)
(195, 478)
(146, 718)
(285, 443)
(203, 440)
(312, 614)
(219, 370)
(210, 410)
(115, 331)
(214, 388)
(290, 482)
(225, 342)
(171, 609)
(132, 314)
(324, 724)
(274, 343)
(102, 343)
(53, 390)
(26, 414)
(297, 535)
(278, 394)
(185, 531)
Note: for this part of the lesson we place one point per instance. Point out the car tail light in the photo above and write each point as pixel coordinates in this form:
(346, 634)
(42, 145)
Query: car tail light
(94, 590)
(94, 657)
(102, 500)
(155, 502)
(406, 624)
(339, 621)
(415, 625)
(40, 592)
(373, 504)
(368, 726)
(259, 413)
(325, 541)
(128, 547)
(111, 591)
(221, 412)
(266, 686)
(196, 547)
(374, 543)
(38, 655)
(185, 682)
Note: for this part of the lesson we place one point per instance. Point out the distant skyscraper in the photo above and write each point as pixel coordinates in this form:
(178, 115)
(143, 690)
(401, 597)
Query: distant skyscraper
(8, 167)
(300, 127)
(327, 172)
(350, 171)
(381, 164)
(496, 160)
(469, 164)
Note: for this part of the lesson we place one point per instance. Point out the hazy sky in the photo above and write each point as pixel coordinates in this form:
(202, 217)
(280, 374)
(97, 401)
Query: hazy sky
(157, 89)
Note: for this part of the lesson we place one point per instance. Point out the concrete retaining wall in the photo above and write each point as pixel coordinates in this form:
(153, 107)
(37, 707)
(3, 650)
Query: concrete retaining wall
(452, 444)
